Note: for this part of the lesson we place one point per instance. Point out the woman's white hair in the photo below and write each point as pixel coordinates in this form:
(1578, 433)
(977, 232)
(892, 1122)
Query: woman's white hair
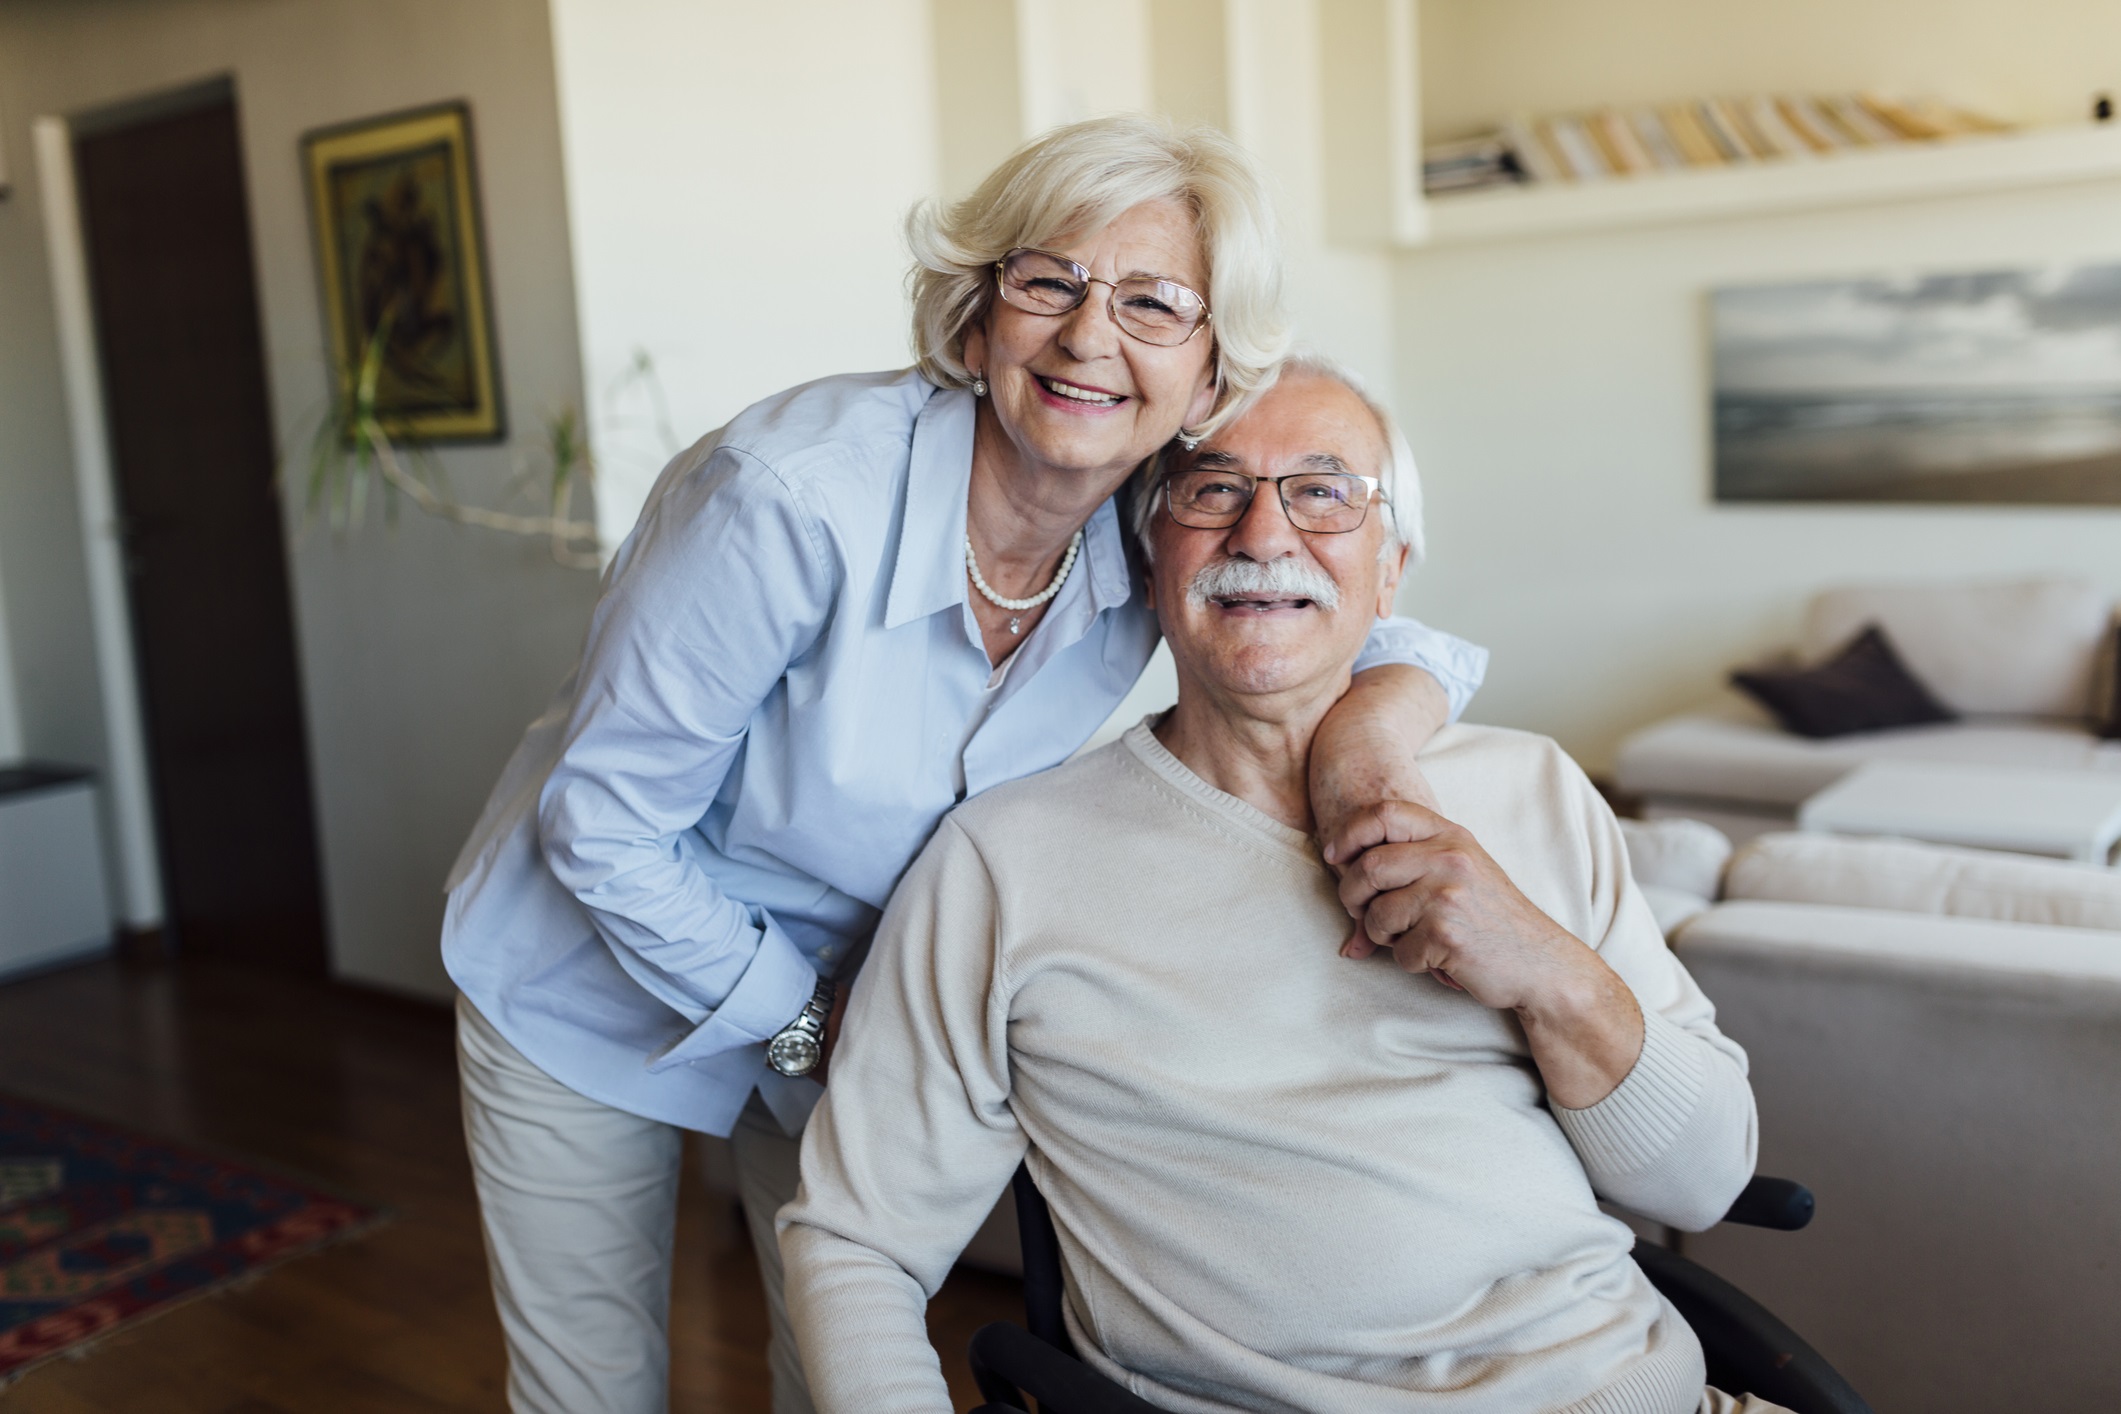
(1398, 480)
(1072, 181)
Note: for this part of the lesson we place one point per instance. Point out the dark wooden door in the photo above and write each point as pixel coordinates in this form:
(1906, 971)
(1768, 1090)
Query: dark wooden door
(169, 252)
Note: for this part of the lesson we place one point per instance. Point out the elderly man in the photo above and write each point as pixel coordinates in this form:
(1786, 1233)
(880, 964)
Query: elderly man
(1286, 1174)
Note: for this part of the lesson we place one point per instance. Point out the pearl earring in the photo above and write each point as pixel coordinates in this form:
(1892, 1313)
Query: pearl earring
(1189, 440)
(979, 386)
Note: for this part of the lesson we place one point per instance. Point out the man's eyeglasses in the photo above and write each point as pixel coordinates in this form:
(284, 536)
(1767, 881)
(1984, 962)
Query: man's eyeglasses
(1153, 310)
(1322, 502)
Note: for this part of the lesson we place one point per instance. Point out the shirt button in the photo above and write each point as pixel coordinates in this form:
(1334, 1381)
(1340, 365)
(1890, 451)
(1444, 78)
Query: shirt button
(827, 951)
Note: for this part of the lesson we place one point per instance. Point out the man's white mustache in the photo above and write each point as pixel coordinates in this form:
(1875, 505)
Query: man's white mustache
(1285, 578)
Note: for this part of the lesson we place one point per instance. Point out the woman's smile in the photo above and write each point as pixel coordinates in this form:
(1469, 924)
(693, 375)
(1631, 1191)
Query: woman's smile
(1076, 397)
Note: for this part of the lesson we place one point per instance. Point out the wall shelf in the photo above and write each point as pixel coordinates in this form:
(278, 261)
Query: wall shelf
(2002, 162)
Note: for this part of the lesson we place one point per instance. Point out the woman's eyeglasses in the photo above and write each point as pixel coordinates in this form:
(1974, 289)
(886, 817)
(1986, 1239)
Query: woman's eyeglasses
(1153, 310)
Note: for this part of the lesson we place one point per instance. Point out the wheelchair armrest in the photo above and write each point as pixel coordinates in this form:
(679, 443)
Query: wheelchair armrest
(1007, 1359)
(1772, 1202)
(1748, 1349)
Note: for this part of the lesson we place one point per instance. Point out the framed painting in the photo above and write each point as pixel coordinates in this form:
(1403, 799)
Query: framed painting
(1987, 387)
(401, 256)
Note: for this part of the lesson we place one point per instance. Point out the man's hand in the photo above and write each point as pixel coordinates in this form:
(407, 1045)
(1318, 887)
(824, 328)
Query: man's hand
(1424, 888)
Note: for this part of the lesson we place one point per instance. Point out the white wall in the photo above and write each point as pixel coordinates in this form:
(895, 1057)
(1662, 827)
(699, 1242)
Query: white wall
(426, 649)
(737, 175)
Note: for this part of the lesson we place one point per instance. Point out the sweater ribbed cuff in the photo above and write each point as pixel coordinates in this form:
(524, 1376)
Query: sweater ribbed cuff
(1632, 1128)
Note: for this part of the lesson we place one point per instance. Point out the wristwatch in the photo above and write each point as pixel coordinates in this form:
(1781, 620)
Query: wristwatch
(801, 1044)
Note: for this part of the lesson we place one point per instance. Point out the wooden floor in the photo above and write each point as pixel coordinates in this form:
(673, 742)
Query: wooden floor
(357, 1091)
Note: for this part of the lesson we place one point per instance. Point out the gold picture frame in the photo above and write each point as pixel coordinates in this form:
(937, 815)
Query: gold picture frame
(395, 208)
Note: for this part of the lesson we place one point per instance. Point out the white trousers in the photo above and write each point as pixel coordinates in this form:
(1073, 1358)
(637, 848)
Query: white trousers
(579, 1204)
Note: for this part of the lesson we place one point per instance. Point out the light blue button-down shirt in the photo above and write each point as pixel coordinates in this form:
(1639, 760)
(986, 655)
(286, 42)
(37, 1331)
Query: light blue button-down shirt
(782, 692)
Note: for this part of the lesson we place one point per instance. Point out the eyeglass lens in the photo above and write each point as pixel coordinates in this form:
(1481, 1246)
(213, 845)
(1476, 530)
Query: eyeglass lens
(1152, 310)
(1329, 502)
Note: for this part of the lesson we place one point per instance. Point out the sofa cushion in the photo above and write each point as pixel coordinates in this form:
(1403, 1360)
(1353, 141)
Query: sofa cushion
(1863, 688)
(1922, 878)
(1734, 753)
(1672, 908)
(1677, 854)
(2021, 649)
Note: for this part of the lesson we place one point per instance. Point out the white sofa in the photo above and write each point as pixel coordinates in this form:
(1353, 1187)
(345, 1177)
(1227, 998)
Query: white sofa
(1935, 1038)
(2027, 665)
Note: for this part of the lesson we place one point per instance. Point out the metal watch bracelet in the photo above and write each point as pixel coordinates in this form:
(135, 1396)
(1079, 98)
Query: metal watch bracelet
(799, 1046)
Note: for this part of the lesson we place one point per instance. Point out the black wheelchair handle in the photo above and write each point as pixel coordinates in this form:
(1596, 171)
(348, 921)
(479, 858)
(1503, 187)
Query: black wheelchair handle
(1773, 1202)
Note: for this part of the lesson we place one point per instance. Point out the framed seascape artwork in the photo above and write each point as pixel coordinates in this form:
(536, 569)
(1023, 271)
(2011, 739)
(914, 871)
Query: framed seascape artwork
(400, 252)
(1997, 386)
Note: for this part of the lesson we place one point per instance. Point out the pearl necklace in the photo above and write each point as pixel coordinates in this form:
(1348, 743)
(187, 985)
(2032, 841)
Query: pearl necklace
(1019, 607)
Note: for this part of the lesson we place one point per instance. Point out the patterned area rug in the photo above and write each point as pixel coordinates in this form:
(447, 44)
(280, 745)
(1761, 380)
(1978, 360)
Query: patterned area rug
(100, 1228)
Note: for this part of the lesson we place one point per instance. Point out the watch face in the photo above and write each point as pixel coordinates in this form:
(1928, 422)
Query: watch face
(792, 1053)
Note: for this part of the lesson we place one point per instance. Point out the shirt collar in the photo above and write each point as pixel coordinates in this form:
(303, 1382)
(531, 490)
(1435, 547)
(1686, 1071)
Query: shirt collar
(928, 575)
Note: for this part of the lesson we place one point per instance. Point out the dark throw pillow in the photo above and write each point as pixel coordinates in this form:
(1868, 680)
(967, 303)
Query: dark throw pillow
(2111, 727)
(1863, 688)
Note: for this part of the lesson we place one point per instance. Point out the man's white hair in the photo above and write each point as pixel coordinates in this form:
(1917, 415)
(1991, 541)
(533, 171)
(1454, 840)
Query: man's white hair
(1076, 179)
(1398, 480)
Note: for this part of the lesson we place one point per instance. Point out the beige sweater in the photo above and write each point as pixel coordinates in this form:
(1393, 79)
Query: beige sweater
(1282, 1180)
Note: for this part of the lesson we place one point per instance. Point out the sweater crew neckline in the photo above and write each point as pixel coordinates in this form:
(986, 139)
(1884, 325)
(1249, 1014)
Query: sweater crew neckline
(1165, 766)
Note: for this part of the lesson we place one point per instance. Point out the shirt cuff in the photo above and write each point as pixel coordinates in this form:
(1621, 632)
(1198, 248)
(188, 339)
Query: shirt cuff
(1633, 1127)
(1459, 667)
(771, 993)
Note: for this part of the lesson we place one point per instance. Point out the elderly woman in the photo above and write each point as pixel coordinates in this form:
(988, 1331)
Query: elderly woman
(861, 602)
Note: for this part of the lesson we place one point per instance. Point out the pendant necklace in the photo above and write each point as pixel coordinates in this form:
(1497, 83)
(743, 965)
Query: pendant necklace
(1019, 607)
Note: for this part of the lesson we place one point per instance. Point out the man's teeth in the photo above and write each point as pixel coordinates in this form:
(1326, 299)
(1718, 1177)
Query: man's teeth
(1263, 604)
(1081, 395)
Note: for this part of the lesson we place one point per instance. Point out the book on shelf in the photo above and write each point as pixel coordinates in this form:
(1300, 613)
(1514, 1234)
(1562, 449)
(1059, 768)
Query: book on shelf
(1533, 156)
(1738, 118)
(1657, 140)
(1577, 150)
(1620, 144)
(1767, 117)
(1860, 121)
(1905, 123)
(1470, 164)
(1727, 142)
(1830, 122)
(1800, 121)
(1684, 124)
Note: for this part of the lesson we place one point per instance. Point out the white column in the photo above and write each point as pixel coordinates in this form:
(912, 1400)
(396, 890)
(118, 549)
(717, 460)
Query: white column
(1284, 77)
(1081, 60)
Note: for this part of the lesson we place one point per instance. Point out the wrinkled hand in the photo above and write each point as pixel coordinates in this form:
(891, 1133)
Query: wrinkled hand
(1422, 887)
